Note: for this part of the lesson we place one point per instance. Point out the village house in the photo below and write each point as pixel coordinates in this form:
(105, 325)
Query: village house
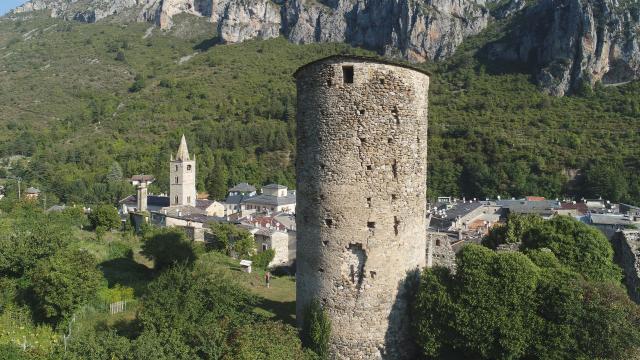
(277, 232)
(32, 193)
(609, 224)
(274, 198)
(234, 203)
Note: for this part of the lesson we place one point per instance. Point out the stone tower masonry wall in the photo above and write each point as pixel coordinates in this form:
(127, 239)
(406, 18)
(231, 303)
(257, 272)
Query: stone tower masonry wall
(361, 212)
(185, 188)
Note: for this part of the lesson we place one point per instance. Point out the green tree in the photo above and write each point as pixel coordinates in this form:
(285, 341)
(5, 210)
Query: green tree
(104, 216)
(217, 180)
(513, 231)
(12, 352)
(577, 245)
(92, 345)
(192, 315)
(33, 236)
(316, 331)
(229, 237)
(63, 283)
(167, 246)
(505, 306)
(262, 259)
(115, 172)
(244, 246)
(266, 341)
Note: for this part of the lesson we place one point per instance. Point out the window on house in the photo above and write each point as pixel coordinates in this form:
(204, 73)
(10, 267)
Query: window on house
(176, 200)
(347, 74)
(265, 247)
(176, 179)
(188, 167)
(176, 167)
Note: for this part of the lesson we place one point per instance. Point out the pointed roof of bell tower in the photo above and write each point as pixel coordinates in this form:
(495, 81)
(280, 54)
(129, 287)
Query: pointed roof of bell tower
(183, 151)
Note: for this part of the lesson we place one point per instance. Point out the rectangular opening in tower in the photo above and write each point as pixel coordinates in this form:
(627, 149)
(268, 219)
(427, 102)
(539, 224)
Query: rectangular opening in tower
(347, 74)
(356, 258)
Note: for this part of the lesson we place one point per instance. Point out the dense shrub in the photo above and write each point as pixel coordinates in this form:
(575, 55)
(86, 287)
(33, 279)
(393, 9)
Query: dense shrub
(316, 330)
(503, 306)
(168, 246)
(262, 259)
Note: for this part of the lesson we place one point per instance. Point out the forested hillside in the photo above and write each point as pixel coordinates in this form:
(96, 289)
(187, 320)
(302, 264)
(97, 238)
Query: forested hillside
(79, 102)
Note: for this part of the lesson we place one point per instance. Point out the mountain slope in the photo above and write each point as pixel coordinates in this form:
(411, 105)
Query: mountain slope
(566, 44)
(76, 98)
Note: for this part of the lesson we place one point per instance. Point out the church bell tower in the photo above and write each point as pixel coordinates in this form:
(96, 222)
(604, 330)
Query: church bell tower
(182, 190)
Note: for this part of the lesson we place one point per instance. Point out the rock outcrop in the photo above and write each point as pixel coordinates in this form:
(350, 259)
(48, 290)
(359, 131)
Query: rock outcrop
(627, 255)
(573, 43)
(249, 19)
(417, 30)
(414, 29)
(568, 44)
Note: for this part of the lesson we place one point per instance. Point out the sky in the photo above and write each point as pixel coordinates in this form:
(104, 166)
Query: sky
(6, 5)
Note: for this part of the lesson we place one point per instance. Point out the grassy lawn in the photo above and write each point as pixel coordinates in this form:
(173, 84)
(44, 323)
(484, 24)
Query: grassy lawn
(136, 271)
(278, 301)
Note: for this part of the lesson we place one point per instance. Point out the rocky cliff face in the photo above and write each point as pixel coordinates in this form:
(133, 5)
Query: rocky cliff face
(572, 43)
(567, 43)
(418, 30)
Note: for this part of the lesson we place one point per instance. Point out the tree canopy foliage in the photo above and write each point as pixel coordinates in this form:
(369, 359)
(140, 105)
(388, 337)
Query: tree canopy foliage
(505, 306)
(168, 246)
(576, 245)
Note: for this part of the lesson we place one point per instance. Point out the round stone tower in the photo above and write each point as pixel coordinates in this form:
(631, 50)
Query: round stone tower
(361, 211)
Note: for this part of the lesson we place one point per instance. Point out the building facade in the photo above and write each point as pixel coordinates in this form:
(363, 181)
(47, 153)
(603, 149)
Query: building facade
(361, 210)
(182, 189)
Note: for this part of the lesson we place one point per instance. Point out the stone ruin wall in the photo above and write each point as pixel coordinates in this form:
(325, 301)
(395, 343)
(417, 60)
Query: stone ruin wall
(626, 244)
(439, 251)
(361, 213)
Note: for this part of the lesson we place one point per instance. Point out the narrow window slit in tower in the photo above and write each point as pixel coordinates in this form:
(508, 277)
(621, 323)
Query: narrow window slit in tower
(381, 81)
(361, 112)
(328, 222)
(368, 202)
(347, 74)
(437, 242)
(369, 167)
(321, 166)
(325, 242)
(373, 274)
(321, 197)
(389, 140)
(394, 197)
(371, 224)
(396, 115)
(394, 169)
(396, 225)
(363, 140)
(320, 270)
(329, 82)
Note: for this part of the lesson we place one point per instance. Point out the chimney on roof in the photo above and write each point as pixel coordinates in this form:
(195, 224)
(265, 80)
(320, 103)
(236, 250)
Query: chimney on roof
(142, 196)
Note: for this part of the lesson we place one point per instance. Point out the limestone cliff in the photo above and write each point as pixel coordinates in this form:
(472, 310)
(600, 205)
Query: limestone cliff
(415, 29)
(418, 30)
(572, 43)
(566, 43)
